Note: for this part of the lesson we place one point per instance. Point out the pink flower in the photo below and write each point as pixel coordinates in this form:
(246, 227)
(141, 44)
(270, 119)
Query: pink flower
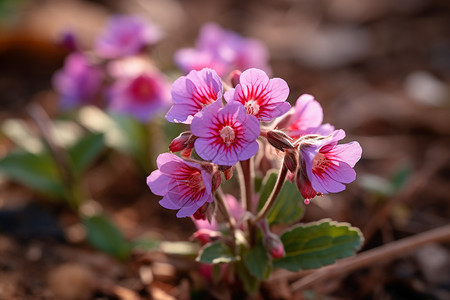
(223, 50)
(305, 118)
(125, 35)
(262, 97)
(326, 166)
(193, 92)
(185, 185)
(142, 95)
(78, 82)
(225, 135)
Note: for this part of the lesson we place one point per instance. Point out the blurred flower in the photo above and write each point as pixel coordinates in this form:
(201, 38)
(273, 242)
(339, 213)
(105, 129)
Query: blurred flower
(125, 35)
(262, 97)
(236, 212)
(193, 92)
(325, 165)
(141, 96)
(305, 118)
(185, 185)
(226, 135)
(78, 82)
(69, 41)
(222, 50)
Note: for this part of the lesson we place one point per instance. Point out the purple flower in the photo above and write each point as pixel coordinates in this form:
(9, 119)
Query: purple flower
(222, 50)
(262, 97)
(141, 96)
(185, 185)
(305, 118)
(125, 35)
(326, 166)
(225, 135)
(78, 82)
(193, 92)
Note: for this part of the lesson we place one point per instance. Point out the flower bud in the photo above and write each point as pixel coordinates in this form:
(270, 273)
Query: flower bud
(290, 160)
(181, 142)
(274, 245)
(279, 140)
(200, 214)
(227, 171)
(205, 236)
(216, 180)
(234, 77)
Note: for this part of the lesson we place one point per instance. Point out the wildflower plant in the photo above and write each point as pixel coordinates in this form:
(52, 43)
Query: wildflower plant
(231, 123)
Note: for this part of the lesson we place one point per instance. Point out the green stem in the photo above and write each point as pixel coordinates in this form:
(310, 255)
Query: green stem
(273, 196)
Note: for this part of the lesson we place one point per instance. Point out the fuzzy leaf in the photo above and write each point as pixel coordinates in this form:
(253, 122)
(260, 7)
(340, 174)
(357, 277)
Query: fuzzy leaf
(258, 262)
(215, 253)
(314, 245)
(105, 236)
(288, 207)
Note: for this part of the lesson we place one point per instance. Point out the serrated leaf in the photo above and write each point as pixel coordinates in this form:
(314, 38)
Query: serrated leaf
(288, 207)
(258, 262)
(37, 171)
(314, 245)
(215, 253)
(105, 236)
(85, 151)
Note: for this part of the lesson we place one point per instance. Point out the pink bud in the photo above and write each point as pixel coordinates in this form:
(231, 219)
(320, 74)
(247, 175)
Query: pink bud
(234, 77)
(216, 180)
(274, 245)
(205, 236)
(227, 171)
(180, 142)
(200, 214)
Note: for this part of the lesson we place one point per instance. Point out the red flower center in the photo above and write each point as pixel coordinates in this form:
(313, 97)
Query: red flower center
(228, 136)
(143, 89)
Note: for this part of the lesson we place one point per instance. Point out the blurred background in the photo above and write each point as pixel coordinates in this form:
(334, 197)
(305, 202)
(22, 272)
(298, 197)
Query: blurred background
(381, 71)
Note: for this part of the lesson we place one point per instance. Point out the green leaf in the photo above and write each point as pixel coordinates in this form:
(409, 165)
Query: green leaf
(288, 207)
(121, 133)
(37, 171)
(314, 245)
(258, 262)
(267, 186)
(85, 151)
(146, 244)
(105, 236)
(134, 135)
(215, 253)
(401, 177)
(250, 282)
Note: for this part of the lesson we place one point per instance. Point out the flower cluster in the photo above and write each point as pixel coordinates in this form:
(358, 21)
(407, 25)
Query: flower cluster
(115, 74)
(222, 50)
(224, 132)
